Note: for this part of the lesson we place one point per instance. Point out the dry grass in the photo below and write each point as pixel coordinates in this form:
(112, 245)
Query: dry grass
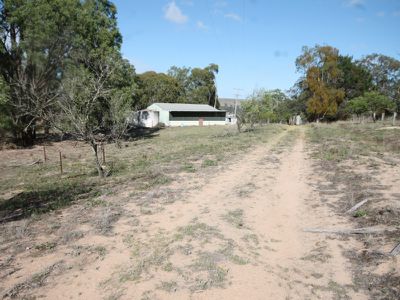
(354, 158)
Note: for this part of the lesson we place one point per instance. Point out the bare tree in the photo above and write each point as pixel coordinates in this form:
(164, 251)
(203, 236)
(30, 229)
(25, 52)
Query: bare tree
(91, 108)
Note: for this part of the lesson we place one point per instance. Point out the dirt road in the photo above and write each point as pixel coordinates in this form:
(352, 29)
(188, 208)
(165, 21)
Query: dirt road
(236, 233)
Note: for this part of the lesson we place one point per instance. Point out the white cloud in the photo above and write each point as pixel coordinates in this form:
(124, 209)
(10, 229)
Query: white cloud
(356, 3)
(201, 25)
(396, 13)
(174, 14)
(233, 17)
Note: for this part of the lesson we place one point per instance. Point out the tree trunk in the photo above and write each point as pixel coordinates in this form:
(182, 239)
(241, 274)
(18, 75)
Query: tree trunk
(383, 116)
(394, 118)
(46, 128)
(374, 117)
(99, 168)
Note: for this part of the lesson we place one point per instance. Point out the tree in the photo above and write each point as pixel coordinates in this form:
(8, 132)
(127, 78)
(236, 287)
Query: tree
(92, 107)
(202, 88)
(321, 76)
(372, 102)
(35, 38)
(355, 79)
(97, 85)
(157, 87)
(357, 106)
(197, 85)
(261, 106)
(385, 73)
(5, 121)
(181, 75)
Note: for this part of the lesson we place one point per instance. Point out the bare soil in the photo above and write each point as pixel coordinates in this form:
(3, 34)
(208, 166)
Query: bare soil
(232, 231)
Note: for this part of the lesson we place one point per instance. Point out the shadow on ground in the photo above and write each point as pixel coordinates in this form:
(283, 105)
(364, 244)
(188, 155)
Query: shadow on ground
(43, 200)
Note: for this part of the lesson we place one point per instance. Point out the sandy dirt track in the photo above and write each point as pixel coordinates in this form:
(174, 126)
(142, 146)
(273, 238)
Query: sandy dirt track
(234, 234)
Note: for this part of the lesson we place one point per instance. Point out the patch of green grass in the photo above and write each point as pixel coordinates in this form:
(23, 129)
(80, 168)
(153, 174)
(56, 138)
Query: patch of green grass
(360, 213)
(209, 163)
(251, 239)
(188, 167)
(215, 274)
(199, 231)
(46, 246)
(148, 255)
(235, 218)
(228, 251)
(168, 286)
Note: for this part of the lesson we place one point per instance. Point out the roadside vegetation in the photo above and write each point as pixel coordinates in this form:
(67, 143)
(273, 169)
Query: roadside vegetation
(353, 162)
(143, 163)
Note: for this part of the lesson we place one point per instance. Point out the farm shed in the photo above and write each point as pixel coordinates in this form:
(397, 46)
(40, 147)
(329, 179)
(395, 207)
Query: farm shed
(144, 118)
(179, 114)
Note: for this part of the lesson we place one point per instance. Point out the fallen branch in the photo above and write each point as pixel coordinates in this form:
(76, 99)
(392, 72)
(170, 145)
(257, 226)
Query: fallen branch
(396, 250)
(365, 230)
(36, 162)
(39, 161)
(357, 206)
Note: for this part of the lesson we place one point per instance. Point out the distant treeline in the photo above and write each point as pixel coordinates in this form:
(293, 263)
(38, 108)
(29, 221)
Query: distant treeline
(61, 68)
(331, 87)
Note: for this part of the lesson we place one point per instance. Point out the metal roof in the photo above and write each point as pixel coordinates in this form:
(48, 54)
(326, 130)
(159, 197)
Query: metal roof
(186, 107)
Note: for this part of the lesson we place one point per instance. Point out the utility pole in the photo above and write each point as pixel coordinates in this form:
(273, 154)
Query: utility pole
(237, 98)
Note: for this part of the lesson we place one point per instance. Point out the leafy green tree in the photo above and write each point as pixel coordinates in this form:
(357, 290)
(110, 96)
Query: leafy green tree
(181, 75)
(249, 113)
(321, 76)
(355, 79)
(372, 102)
(357, 106)
(261, 106)
(35, 38)
(157, 87)
(202, 87)
(197, 85)
(5, 121)
(385, 72)
(97, 86)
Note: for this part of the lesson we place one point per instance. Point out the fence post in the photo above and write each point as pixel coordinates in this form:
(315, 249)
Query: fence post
(61, 166)
(44, 154)
(104, 153)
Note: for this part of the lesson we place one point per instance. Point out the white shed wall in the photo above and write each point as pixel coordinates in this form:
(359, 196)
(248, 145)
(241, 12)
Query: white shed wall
(195, 123)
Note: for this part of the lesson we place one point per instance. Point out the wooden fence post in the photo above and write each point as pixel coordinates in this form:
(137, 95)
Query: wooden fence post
(104, 153)
(61, 166)
(44, 154)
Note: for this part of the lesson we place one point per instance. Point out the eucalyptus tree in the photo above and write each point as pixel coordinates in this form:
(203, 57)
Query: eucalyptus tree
(35, 37)
(385, 73)
(320, 79)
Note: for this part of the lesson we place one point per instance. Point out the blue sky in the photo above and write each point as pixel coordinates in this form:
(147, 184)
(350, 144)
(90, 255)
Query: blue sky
(254, 42)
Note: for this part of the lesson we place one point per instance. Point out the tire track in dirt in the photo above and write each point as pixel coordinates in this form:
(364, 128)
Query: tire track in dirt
(258, 207)
(290, 264)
